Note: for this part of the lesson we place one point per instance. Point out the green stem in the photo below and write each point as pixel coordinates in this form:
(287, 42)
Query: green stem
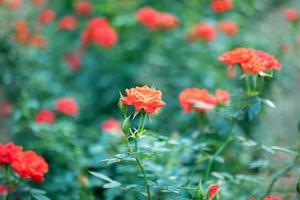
(278, 175)
(141, 168)
(248, 85)
(211, 160)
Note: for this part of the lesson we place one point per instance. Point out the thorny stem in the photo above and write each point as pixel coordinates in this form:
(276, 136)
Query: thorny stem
(212, 158)
(141, 168)
(142, 122)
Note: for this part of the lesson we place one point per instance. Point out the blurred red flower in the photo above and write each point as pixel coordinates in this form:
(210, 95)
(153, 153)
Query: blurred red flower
(148, 99)
(153, 19)
(6, 108)
(47, 16)
(111, 126)
(203, 31)
(213, 191)
(291, 14)
(99, 31)
(222, 97)
(83, 7)
(15, 4)
(21, 31)
(221, 5)
(272, 198)
(73, 60)
(9, 152)
(37, 41)
(67, 106)
(38, 3)
(3, 189)
(198, 99)
(148, 16)
(29, 165)
(228, 27)
(68, 23)
(45, 116)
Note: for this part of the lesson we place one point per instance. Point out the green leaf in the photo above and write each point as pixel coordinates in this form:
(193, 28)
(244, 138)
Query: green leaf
(40, 197)
(282, 149)
(269, 103)
(126, 126)
(111, 183)
(254, 110)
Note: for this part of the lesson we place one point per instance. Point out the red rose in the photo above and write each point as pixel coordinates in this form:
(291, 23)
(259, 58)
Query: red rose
(291, 14)
(9, 152)
(228, 27)
(37, 41)
(73, 60)
(99, 31)
(83, 7)
(221, 5)
(148, 99)
(15, 4)
(3, 189)
(68, 23)
(22, 32)
(198, 99)
(45, 116)
(111, 126)
(148, 16)
(29, 165)
(153, 19)
(47, 16)
(202, 31)
(213, 191)
(222, 96)
(272, 198)
(67, 106)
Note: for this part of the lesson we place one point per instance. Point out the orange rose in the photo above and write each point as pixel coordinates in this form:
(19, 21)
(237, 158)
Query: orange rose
(236, 56)
(148, 99)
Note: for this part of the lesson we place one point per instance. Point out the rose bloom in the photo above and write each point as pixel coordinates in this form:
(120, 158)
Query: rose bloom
(148, 99)
(291, 14)
(272, 198)
(38, 3)
(148, 16)
(47, 16)
(198, 99)
(153, 19)
(6, 108)
(83, 7)
(167, 21)
(67, 106)
(228, 27)
(99, 31)
(29, 165)
(15, 4)
(221, 5)
(68, 23)
(73, 60)
(236, 56)
(22, 32)
(202, 31)
(38, 41)
(111, 126)
(45, 116)
(222, 97)
(213, 191)
(9, 152)
(250, 60)
(3, 188)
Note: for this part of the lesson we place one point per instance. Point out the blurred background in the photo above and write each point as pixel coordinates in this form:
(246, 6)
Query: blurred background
(56, 63)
